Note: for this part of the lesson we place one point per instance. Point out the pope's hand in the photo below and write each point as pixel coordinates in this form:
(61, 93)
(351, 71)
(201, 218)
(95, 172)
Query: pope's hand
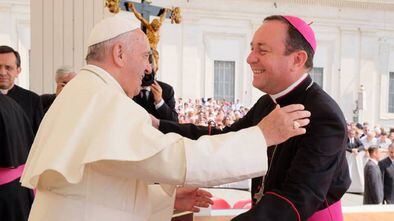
(283, 123)
(189, 199)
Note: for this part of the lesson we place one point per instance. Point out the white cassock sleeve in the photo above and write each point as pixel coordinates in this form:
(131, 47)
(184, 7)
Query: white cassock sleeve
(162, 204)
(208, 161)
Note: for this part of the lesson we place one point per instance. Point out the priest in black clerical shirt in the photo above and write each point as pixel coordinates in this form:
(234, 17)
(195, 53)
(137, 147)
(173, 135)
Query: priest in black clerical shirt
(308, 174)
(10, 68)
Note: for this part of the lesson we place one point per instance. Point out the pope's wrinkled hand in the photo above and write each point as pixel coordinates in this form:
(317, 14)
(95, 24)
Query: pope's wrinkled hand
(284, 123)
(189, 199)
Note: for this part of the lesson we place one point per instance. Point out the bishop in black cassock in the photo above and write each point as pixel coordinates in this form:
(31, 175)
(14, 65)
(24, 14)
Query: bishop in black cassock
(308, 173)
(16, 137)
(311, 169)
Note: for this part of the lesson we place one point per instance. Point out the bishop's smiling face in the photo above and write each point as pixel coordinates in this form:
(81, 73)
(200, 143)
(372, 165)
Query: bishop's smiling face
(267, 59)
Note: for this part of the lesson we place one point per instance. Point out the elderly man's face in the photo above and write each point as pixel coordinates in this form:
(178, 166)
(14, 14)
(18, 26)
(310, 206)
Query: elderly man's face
(267, 59)
(138, 63)
(8, 70)
(63, 80)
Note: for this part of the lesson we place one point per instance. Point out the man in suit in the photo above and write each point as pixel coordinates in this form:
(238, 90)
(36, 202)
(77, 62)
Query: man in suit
(157, 98)
(308, 174)
(64, 75)
(387, 168)
(373, 186)
(10, 68)
(354, 144)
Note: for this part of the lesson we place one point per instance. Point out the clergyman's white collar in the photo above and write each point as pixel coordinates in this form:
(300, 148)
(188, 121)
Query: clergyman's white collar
(290, 88)
(5, 91)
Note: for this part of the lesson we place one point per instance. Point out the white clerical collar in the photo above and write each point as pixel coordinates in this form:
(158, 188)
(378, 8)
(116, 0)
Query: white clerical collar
(147, 88)
(290, 88)
(107, 77)
(5, 91)
(375, 161)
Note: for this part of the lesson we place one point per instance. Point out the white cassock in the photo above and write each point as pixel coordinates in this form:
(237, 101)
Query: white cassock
(97, 157)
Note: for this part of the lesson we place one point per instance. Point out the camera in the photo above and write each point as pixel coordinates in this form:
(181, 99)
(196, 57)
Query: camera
(149, 78)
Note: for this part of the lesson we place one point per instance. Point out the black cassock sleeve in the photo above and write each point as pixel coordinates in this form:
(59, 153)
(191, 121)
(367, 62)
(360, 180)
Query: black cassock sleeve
(319, 155)
(192, 131)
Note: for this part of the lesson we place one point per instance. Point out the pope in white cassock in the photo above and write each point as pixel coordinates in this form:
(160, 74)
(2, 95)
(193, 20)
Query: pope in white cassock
(97, 157)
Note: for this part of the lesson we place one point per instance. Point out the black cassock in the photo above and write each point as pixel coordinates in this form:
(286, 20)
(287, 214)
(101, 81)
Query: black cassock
(30, 103)
(16, 137)
(307, 172)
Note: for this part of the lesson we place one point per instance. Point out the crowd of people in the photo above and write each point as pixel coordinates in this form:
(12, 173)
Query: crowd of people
(202, 112)
(372, 142)
(362, 136)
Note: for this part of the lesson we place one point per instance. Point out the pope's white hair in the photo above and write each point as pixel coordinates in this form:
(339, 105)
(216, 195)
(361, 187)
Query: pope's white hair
(99, 51)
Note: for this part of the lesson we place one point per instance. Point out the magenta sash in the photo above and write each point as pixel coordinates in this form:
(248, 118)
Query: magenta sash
(10, 174)
(331, 213)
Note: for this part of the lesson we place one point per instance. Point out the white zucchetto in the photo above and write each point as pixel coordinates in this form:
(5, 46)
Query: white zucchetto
(111, 27)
